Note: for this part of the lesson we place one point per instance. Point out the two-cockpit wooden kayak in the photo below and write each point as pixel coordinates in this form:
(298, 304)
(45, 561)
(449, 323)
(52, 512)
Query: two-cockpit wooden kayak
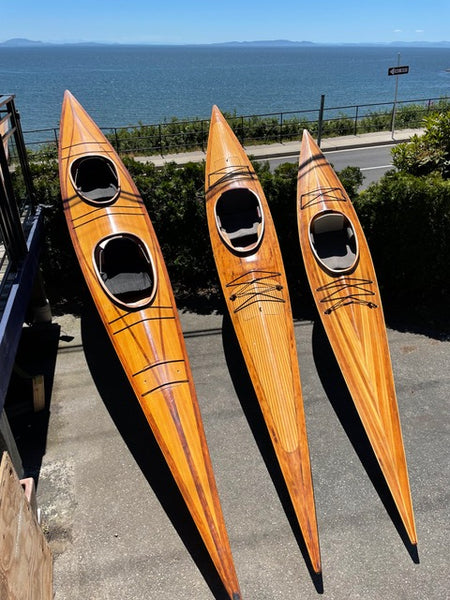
(344, 285)
(253, 280)
(124, 269)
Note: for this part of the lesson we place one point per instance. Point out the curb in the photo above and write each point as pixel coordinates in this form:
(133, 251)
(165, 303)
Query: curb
(278, 151)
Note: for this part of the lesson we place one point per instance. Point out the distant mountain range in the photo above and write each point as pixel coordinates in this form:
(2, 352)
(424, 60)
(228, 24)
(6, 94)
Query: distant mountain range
(25, 43)
(287, 43)
(265, 43)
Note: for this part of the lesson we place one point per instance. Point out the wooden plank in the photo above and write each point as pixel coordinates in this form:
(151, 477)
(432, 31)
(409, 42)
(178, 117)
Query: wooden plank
(25, 557)
(8, 444)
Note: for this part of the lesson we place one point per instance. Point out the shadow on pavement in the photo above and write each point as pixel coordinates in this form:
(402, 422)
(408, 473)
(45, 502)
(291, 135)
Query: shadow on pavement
(337, 392)
(123, 406)
(36, 355)
(250, 405)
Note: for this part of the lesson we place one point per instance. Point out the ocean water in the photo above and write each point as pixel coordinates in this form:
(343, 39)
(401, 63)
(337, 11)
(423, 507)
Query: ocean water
(127, 85)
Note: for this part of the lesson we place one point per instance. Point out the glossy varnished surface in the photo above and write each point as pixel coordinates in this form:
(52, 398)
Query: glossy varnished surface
(255, 289)
(148, 339)
(350, 307)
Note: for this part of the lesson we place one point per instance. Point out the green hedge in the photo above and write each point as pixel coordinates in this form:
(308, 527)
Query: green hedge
(406, 220)
(174, 197)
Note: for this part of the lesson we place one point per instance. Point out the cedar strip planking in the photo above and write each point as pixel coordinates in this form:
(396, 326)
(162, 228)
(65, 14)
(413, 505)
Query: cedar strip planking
(350, 308)
(146, 335)
(256, 293)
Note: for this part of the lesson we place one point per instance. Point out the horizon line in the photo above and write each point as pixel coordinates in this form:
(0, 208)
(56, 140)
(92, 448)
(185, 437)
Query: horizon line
(275, 42)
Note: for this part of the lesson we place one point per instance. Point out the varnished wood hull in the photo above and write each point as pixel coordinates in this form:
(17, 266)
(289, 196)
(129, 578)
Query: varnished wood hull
(146, 334)
(255, 289)
(349, 305)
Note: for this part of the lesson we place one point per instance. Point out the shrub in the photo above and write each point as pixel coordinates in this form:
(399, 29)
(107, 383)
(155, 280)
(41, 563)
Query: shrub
(174, 198)
(407, 223)
(280, 188)
(429, 152)
(62, 275)
(351, 179)
(406, 220)
(175, 202)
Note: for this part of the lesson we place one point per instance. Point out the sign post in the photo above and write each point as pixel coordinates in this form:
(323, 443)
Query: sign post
(398, 70)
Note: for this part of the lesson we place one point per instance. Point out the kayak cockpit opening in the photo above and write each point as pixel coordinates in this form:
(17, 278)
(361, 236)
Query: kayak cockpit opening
(95, 178)
(239, 219)
(333, 241)
(125, 270)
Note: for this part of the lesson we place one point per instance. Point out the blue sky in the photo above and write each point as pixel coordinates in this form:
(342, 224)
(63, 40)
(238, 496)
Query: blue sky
(184, 22)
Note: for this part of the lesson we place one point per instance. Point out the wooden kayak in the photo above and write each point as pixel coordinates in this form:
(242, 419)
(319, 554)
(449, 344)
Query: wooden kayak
(344, 285)
(124, 269)
(251, 272)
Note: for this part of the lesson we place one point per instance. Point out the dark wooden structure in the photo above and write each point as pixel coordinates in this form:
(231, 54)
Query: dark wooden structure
(20, 237)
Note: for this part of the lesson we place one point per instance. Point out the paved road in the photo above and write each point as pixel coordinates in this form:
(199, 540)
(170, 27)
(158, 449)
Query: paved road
(373, 161)
(370, 152)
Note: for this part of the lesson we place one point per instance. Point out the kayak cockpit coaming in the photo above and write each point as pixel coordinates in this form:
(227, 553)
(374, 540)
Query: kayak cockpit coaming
(334, 242)
(95, 179)
(239, 219)
(125, 270)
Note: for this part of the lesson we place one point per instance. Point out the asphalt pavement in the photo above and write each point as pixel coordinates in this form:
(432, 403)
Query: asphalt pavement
(119, 530)
(267, 151)
(118, 527)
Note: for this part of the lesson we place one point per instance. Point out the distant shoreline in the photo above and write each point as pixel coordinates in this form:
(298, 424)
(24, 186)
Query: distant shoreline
(26, 43)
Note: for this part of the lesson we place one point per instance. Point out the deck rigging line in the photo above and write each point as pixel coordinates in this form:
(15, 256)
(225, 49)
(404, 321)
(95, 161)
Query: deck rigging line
(264, 292)
(321, 194)
(354, 297)
(130, 325)
(230, 172)
(123, 316)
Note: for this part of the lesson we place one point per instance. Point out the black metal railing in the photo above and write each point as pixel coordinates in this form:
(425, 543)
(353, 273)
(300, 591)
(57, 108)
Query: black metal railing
(178, 135)
(17, 199)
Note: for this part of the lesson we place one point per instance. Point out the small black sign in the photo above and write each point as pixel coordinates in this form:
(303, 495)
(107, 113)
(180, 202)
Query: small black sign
(398, 70)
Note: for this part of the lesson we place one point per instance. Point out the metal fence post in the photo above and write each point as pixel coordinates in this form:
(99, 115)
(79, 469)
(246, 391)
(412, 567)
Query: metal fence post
(11, 226)
(117, 139)
(394, 109)
(21, 150)
(320, 123)
(356, 121)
